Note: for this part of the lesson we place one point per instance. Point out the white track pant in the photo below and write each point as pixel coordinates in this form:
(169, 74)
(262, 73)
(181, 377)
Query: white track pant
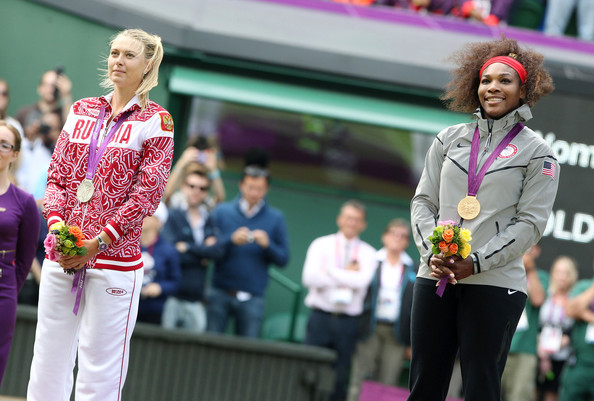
(100, 333)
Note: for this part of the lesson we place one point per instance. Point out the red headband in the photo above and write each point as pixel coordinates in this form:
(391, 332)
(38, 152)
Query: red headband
(509, 61)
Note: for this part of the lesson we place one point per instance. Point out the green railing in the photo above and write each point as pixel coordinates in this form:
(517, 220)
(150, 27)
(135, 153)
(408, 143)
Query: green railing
(296, 290)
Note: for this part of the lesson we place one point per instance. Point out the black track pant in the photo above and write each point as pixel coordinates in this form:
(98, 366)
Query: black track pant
(480, 320)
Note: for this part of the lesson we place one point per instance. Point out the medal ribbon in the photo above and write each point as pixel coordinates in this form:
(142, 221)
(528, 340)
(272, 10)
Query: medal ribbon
(78, 284)
(474, 179)
(94, 153)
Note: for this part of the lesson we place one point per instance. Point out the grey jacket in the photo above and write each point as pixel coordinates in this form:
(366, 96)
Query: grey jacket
(516, 196)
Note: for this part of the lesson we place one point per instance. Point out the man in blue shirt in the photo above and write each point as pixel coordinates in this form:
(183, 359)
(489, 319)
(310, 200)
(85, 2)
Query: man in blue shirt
(253, 235)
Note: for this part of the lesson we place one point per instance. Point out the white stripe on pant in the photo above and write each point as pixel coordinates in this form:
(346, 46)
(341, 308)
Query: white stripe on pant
(100, 333)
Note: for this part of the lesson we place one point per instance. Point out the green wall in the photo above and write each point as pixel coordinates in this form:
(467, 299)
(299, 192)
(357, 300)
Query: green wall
(35, 38)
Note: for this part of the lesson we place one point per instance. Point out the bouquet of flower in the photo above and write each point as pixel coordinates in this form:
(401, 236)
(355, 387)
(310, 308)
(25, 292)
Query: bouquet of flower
(64, 240)
(449, 239)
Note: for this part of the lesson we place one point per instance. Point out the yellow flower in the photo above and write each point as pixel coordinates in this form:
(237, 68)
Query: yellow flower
(465, 250)
(465, 235)
(57, 226)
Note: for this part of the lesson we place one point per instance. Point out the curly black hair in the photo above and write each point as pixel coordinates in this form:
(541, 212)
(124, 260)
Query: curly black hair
(461, 93)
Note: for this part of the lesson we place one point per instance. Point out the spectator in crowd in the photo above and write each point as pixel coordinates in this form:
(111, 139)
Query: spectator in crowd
(505, 205)
(518, 382)
(555, 328)
(200, 155)
(162, 272)
(576, 381)
(337, 272)
(252, 235)
(54, 96)
(379, 356)
(489, 12)
(34, 161)
(191, 230)
(433, 6)
(19, 225)
(49, 130)
(559, 12)
(106, 191)
(4, 101)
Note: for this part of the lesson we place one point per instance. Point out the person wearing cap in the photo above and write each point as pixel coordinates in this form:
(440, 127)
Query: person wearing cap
(162, 272)
(498, 179)
(253, 236)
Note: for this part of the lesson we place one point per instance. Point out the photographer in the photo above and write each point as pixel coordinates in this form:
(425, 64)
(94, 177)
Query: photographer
(200, 155)
(252, 235)
(54, 98)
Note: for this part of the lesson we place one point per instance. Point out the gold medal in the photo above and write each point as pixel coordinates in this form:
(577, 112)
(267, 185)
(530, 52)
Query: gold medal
(469, 207)
(85, 190)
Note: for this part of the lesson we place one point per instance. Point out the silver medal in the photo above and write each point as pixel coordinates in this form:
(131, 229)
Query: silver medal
(85, 190)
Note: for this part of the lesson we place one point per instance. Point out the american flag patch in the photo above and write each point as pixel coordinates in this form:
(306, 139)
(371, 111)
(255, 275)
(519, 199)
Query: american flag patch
(548, 168)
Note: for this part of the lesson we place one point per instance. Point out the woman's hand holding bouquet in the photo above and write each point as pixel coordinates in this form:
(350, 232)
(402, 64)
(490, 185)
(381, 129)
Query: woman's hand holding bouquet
(66, 245)
(451, 250)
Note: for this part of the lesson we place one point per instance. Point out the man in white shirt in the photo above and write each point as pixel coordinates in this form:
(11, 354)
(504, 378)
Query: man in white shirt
(381, 350)
(338, 269)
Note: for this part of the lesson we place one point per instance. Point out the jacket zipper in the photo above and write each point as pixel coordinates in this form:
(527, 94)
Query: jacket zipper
(488, 144)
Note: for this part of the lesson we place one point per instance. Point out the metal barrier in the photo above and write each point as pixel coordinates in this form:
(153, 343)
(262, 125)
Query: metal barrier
(170, 365)
(297, 291)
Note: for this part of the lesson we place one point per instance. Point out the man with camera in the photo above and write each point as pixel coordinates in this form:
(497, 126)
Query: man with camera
(253, 235)
(54, 99)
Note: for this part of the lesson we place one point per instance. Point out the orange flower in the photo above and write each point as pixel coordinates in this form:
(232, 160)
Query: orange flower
(448, 234)
(74, 230)
(443, 246)
(79, 243)
(453, 249)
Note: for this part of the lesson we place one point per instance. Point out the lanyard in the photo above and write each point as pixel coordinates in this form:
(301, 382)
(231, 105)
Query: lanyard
(474, 179)
(381, 270)
(354, 253)
(94, 153)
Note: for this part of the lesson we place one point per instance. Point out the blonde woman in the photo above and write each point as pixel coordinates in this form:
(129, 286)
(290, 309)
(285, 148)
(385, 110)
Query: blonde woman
(555, 327)
(108, 171)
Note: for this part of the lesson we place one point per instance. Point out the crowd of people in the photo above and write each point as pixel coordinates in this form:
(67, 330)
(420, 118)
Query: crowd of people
(555, 19)
(205, 259)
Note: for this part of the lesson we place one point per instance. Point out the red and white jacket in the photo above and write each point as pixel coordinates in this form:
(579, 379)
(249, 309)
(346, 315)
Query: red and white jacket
(129, 180)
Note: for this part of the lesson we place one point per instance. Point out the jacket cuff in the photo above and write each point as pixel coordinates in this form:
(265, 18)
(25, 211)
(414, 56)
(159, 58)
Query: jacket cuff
(113, 230)
(53, 217)
(476, 264)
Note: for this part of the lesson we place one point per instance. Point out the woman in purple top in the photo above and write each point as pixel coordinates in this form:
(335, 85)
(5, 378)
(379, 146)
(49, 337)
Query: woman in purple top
(19, 230)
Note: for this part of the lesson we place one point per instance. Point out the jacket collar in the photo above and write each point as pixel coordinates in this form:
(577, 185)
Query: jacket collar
(505, 123)
(133, 104)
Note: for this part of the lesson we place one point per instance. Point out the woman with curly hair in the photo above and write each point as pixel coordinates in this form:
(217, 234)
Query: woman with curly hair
(497, 178)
